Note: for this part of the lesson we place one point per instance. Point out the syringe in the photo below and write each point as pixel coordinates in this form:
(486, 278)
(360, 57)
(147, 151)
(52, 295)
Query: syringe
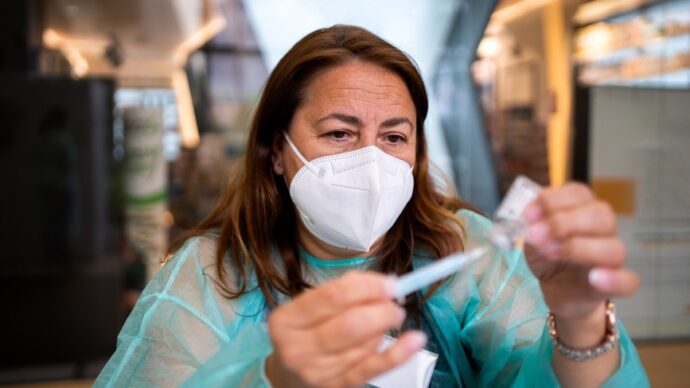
(423, 277)
(507, 232)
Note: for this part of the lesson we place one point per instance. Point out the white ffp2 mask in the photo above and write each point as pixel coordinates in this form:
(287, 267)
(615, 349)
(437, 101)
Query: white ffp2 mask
(349, 200)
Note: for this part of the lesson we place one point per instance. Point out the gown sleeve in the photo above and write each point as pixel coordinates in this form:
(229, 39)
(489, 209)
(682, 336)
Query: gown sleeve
(503, 325)
(182, 331)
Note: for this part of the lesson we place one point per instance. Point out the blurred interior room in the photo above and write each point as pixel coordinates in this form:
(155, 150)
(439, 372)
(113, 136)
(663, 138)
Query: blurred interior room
(121, 121)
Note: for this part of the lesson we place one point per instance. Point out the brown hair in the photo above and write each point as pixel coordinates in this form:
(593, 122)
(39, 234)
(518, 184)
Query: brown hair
(256, 213)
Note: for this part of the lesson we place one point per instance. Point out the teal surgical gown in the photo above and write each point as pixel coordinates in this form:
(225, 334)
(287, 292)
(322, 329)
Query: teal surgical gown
(488, 322)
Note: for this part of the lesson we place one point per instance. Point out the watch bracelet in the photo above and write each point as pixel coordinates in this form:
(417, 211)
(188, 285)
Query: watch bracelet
(580, 355)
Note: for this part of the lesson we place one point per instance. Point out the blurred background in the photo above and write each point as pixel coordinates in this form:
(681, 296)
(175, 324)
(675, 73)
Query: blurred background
(120, 122)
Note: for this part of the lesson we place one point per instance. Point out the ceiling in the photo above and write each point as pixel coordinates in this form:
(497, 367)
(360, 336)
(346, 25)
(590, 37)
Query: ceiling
(146, 33)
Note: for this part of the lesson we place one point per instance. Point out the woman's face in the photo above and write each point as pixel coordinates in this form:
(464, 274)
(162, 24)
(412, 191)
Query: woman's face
(345, 108)
(348, 107)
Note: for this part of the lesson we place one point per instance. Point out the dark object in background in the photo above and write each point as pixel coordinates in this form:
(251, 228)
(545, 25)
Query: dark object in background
(56, 184)
(113, 52)
(580, 148)
(15, 54)
(61, 228)
(56, 170)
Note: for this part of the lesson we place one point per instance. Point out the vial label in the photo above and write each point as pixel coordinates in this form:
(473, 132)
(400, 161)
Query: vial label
(521, 192)
(509, 229)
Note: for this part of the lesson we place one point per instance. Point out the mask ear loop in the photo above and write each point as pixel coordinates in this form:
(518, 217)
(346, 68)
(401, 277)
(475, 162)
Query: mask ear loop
(319, 172)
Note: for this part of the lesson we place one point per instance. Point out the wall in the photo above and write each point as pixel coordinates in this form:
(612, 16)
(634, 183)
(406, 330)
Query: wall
(639, 159)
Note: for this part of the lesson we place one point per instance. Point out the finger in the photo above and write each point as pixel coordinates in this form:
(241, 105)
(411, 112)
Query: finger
(333, 366)
(406, 346)
(333, 297)
(593, 219)
(550, 249)
(594, 252)
(620, 282)
(314, 367)
(357, 325)
(533, 212)
(539, 234)
(570, 195)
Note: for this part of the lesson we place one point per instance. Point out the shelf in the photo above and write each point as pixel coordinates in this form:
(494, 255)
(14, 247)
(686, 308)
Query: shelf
(673, 79)
(590, 13)
(647, 47)
(679, 39)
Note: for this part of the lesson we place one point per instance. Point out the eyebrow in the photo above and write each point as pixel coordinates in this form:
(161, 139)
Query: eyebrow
(354, 120)
(396, 121)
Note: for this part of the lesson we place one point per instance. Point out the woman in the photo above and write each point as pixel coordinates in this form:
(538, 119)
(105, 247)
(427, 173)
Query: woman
(272, 288)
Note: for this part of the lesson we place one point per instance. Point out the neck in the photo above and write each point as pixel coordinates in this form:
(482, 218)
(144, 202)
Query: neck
(324, 251)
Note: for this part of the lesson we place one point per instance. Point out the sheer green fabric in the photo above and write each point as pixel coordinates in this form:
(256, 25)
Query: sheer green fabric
(490, 316)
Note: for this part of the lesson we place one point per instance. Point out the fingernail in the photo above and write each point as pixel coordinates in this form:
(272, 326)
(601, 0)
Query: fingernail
(401, 314)
(416, 341)
(389, 286)
(552, 250)
(532, 212)
(599, 278)
(537, 232)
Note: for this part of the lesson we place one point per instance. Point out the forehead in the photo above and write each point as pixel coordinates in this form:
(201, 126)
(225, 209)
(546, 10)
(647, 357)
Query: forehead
(359, 86)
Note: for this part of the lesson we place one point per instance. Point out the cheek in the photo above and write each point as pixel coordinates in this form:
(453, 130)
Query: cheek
(410, 154)
(406, 151)
(409, 158)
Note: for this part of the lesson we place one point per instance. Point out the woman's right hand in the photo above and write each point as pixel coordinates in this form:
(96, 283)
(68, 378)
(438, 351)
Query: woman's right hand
(329, 335)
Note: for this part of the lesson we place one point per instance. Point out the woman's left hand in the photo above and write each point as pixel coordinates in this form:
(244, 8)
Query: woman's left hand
(573, 249)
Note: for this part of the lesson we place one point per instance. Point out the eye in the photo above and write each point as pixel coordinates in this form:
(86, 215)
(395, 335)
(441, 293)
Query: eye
(338, 135)
(395, 138)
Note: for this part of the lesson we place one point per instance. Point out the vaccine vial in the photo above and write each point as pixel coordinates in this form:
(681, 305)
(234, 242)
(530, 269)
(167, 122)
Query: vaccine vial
(509, 229)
